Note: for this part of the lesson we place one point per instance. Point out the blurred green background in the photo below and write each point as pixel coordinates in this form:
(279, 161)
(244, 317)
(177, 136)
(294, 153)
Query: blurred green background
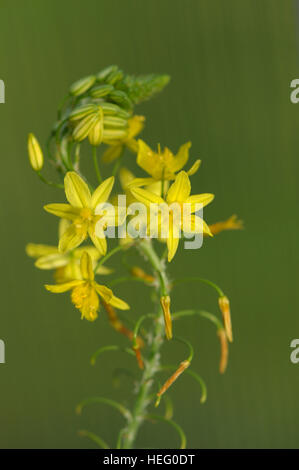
(231, 65)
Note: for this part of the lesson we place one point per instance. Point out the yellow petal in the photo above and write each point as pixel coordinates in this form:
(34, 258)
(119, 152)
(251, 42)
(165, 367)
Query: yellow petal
(172, 239)
(76, 190)
(59, 288)
(102, 193)
(156, 187)
(145, 157)
(181, 158)
(63, 226)
(103, 270)
(136, 124)
(146, 197)
(111, 216)
(194, 168)
(125, 177)
(112, 153)
(180, 190)
(91, 250)
(86, 267)
(35, 251)
(198, 225)
(71, 238)
(62, 210)
(118, 303)
(99, 242)
(137, 182)
(203, 199)
(104, 292)
(53, 261)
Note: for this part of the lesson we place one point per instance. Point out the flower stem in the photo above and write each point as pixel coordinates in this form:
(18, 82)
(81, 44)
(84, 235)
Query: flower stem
(152, 362)
(96, 164)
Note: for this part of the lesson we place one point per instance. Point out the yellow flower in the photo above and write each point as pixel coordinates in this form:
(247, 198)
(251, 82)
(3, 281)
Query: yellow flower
(83, 212)
(162, 166)
(114, 151)
(179, 193)
(85, 292)
(66, 265)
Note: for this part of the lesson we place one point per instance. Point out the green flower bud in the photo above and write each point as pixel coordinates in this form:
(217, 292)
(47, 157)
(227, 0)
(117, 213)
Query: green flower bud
(95, 135)
(115, 122)
(101, 90)
(82, 85)
(35, 153)
(114, 134)
(121, 98)
(114, 77)
(82, 111)
(113, 109)
(101, 76)
(82, 129)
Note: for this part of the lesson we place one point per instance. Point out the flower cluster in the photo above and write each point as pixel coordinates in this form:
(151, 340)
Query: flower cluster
(100, 109)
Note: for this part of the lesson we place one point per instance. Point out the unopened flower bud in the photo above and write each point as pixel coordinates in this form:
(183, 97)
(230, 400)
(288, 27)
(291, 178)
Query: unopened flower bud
(101, 76)
(101, 90)
(225, 310)
(82, 85)
(115, 122)
(95, 135)
(113, 109)
(35, 153)
(82, 111)
(121, 98)
(82, 129)
(114, 77)
(165, 303)
(114, 134)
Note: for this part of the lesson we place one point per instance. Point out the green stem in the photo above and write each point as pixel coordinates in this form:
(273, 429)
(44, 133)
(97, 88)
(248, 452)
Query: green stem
(96, 164)
(50, 183)
(106, 257)
(147, 249)
(152, 362)
(200, 279)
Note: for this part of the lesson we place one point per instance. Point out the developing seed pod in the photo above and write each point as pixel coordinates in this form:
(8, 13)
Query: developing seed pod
(82, 85)
(101, 90)
(82, 111)
(35, 153)
(115, 122)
